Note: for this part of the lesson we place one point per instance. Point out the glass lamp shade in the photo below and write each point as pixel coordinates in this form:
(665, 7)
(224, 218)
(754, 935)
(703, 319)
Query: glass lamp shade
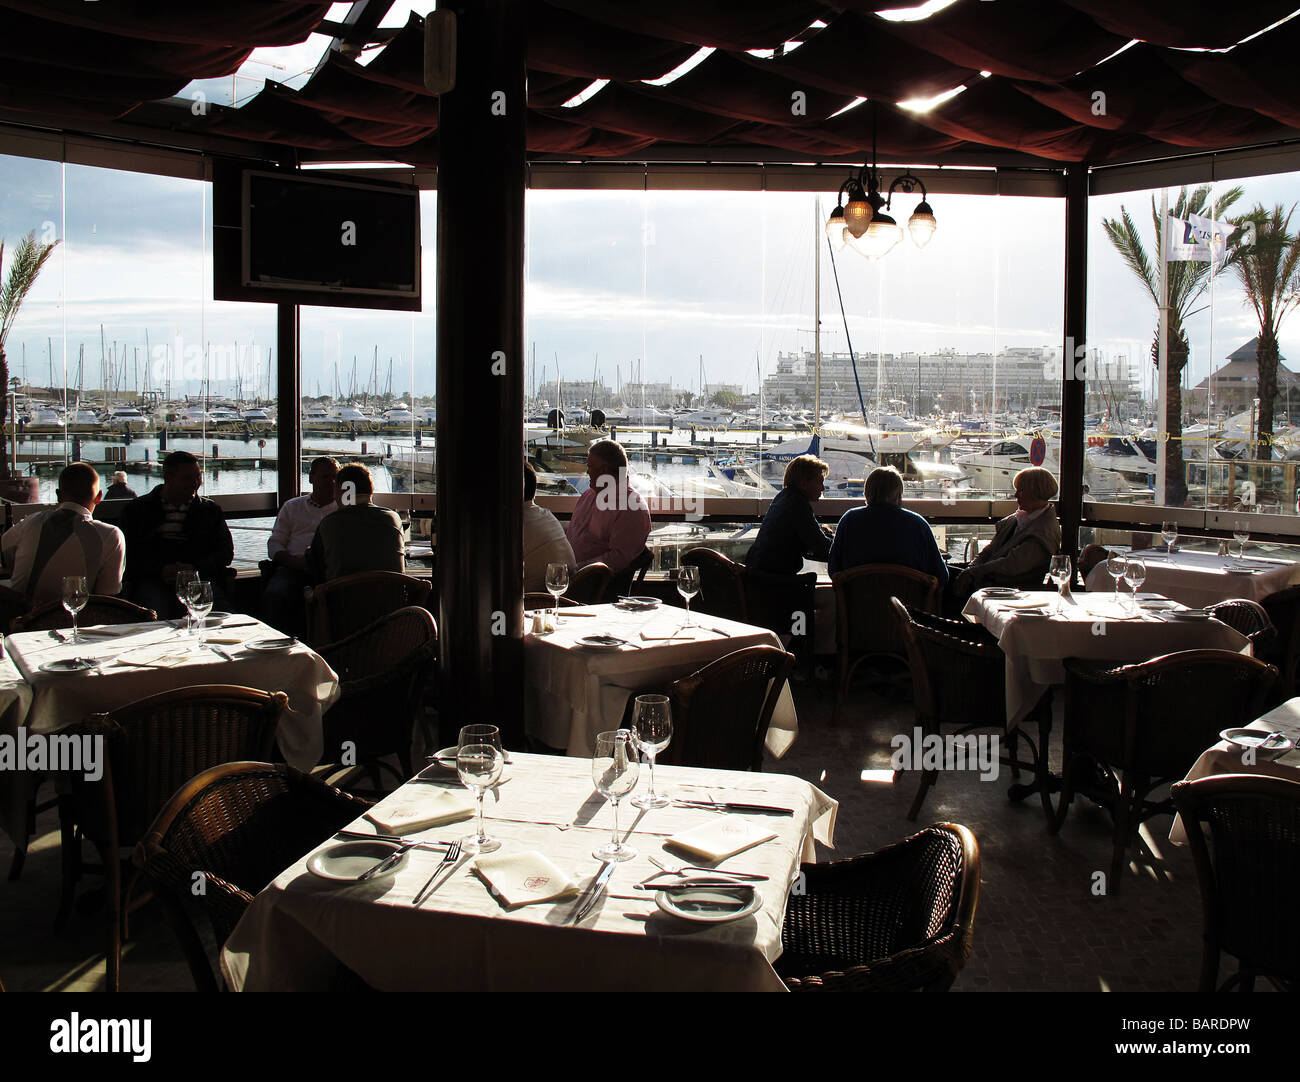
(881, 236)
(857, 214)
(835, 228)
(922, 224)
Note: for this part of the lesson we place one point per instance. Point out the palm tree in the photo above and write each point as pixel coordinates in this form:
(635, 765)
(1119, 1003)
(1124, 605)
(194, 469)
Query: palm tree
(1188, 280)
(1266, 261)
(28, 259)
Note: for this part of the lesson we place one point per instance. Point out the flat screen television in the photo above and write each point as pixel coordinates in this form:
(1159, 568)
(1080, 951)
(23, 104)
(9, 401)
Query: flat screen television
(315, 238)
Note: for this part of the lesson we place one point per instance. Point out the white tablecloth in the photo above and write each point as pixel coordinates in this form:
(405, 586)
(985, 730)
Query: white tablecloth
(1198, 579)
(16, 787)
(170, 660)
(1225, 758)
(1094, 627)
(573, 693)
(462, 939)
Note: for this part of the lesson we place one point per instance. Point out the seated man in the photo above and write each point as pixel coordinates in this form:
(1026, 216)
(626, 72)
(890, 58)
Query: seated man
(66, 540)
(119, 489)
(295, 526)
(358, 536)
(1023, 546)
(611, 521)
(171, 528)
(544, 540)
(885, 532)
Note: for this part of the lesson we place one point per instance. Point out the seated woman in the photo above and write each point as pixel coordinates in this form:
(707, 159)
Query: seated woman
(885, 532)
(1023, 546)
(790, 530)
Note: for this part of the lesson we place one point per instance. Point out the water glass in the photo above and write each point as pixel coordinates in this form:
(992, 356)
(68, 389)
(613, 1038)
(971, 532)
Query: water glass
(557, 581)
(1169, 531)
(75, 596)
(200, 604)
(1241, 531)
(479, 768)
(1060, 572)
(1116, 565)
(1135, 574)
(614, 769)
(184, 577)
(652, 730)
(688, 585)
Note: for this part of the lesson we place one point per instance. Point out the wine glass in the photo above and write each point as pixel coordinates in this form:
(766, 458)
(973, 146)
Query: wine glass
(652, 729)
(479, 767)
(1059, 572)
(1241, 531)
(1169, 531)
(557, 581)
(200, 604)
(75, 596)
(1116, 565)
(1135, 573)
(614, 769)
(688, 585)
(184, 577)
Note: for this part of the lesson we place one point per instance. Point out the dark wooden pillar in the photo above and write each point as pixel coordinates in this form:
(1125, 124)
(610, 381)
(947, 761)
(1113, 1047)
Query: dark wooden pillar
(288, 418)
(481, 371)
(1070, 504)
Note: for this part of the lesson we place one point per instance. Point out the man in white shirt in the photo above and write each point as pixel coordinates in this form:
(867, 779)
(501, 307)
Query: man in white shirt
(544, 540)
(66, 540)
(295, 526)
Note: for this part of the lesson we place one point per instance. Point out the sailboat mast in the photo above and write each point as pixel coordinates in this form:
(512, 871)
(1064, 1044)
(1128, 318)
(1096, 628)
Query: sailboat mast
(817, 314)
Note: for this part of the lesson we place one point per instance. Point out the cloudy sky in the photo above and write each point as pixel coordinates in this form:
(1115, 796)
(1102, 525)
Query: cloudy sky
(616, 280)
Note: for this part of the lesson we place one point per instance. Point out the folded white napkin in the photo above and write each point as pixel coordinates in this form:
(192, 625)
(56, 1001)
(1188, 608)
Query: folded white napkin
(413, 812)
(721, 838)
(523, 878)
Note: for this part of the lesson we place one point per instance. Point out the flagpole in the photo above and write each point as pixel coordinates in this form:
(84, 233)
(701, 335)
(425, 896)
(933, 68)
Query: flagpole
(1162, 354)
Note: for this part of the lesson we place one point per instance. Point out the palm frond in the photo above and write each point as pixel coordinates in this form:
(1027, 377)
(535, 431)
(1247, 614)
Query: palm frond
(1123, 234)
(24, 268)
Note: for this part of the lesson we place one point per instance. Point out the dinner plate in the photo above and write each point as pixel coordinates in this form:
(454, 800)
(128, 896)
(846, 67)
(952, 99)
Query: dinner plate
(1251, 739)
(218, 617)
(602, 642)
(68, 664)
(1238, 570)
(710, 905)
(443, 763)
(637, 604)
(1189, 614)
(1000, 591)
(270, 645)
(348, 861)
(1158, 605)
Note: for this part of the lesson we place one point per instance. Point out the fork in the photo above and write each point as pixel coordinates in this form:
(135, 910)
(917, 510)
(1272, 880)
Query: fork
(448, 860)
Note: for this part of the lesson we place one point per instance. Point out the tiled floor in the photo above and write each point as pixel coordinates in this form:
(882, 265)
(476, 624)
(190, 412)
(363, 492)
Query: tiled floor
(1039, 926)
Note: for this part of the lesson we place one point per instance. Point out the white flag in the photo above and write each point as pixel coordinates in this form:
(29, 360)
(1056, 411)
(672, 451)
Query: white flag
(1197, 238)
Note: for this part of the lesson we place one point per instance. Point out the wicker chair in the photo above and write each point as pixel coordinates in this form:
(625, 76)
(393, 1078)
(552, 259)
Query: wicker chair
(12, 605)
(901, 919)
(867, 626)
(238, 825)
(1251, 619)
(722, 584)
(777, 602)
(343, 606)
(1252, 872)
(621, 582)
(1283, 608)
(100, 609)
(154, 746)
(1130, 729)
(721, 713)
(382, 673)
(1090, 557)
(959, 678)
(590, 584)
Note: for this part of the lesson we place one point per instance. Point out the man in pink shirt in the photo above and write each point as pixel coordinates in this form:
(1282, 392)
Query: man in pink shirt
(611, 520)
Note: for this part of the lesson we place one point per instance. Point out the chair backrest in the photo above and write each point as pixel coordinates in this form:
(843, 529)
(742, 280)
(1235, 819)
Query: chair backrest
(621, 582)
(721, 713)
(1248, 617)
(1090, 557)
(1253, 869)
(12, 605)
(722, 584)
(155, 745)
(544, 601)
(589, 584)
(867, 624)
(337, 608)
(958, 676)
(241, 824)
(1173, 707)
(382, 671)
(100, 609)
(1283, 608)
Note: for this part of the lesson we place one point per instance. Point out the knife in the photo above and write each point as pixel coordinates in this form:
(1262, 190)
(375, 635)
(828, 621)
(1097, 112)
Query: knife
(694, 884)
(597, 888)
(219, 651)
(729, 806)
